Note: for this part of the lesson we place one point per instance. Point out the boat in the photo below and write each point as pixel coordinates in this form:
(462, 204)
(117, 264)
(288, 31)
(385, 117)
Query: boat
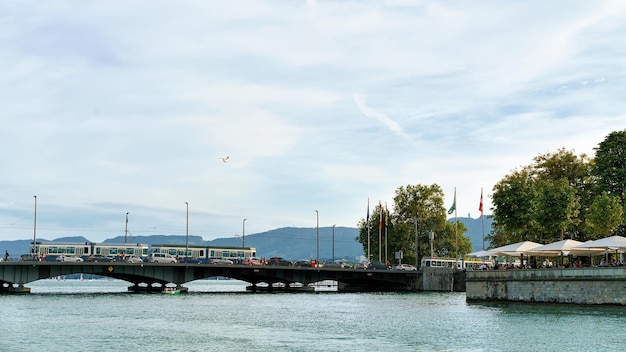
(175, 290)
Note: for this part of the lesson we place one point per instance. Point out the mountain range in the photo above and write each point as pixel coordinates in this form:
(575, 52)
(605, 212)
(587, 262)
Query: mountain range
(288, 242)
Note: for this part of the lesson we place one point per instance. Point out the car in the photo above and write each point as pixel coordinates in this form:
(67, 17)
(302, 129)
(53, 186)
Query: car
(251, 261)
(133, 260)
(97, 258)
(405, 267)
(28, 258)
(189, 260)
(302, 263)
(279, 262)
(378, 266)
(219, 261)
(160, 258)
(69, 258)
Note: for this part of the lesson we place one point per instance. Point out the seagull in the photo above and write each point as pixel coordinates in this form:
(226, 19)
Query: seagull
(225, 159)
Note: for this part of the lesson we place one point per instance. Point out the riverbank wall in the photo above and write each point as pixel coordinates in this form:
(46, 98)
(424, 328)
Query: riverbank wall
(442, 280)
(592, 286)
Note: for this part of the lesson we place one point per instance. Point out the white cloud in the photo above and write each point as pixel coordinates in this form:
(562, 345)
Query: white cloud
(114, 107)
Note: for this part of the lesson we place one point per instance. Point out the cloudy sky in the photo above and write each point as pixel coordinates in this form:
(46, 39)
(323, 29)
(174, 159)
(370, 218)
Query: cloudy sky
(109, 107)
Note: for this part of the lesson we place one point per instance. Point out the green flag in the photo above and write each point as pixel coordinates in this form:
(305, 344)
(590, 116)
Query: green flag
(453, 207)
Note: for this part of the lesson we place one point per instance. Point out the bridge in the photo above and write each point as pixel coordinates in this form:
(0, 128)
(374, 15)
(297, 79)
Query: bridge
(156, 276)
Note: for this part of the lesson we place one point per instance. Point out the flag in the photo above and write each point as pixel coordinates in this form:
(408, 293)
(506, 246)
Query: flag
(480, 206)
(368, 212)
(453, 207)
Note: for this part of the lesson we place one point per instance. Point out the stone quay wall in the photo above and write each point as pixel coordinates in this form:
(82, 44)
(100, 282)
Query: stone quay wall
(592, 286)
(442, 279)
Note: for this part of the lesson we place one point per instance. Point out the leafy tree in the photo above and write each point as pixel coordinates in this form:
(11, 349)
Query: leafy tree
(610, 164)
(605, 215)
(514, 206)
(417, 209)
(557, 209)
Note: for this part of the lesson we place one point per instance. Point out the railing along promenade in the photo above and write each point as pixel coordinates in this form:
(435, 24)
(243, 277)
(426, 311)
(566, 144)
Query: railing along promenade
(588, 285)
(155, 276)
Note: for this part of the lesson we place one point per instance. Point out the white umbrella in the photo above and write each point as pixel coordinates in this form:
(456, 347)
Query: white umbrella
(554, 249)
(613, 243)
(480, 254)
(515, 249)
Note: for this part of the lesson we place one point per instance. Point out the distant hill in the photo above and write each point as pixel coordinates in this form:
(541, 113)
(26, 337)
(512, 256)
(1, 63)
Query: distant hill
(287, 242)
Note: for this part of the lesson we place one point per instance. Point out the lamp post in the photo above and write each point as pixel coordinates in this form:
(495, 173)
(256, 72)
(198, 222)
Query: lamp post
(126, 229)
(243, 233)
(334, 242)
(317, 260)
(35, 255)
(187, 230)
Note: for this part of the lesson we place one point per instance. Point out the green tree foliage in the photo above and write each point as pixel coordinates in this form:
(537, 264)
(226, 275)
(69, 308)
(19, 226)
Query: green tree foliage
(605, 215)
(418, 207)
(557, 196)
(515, 203)
(557, 209)
(610, 164)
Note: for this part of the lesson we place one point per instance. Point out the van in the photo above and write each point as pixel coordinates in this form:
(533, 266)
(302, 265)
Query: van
(160, 258)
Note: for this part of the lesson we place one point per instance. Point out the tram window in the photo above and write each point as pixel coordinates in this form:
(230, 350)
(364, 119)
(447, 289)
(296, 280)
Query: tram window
(130, 251)
(202, 252)
(86, 250)
(70, 250)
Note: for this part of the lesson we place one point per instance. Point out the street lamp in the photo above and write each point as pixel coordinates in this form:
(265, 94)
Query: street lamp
(317, 261)
(187, 231)
(334, 242)
(35, 232)
(126, 229)
(243, 233)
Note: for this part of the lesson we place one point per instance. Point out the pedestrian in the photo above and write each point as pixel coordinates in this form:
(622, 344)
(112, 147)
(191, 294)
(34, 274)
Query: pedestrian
(6, 256)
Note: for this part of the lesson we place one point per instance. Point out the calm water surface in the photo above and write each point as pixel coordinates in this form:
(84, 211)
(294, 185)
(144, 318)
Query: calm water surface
(98, 315)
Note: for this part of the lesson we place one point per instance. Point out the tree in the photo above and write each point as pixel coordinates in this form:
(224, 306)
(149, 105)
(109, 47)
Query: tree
(514, 206)
(610, 164)
(605, 215)
(418, 209)
(557, 209)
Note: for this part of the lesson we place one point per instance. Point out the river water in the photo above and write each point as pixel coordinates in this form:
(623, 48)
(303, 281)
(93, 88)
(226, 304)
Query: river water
(218, 315)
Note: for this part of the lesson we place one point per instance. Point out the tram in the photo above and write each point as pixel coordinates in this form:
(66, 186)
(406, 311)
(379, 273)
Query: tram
(52, 250)
(204, 253)
(462, 263)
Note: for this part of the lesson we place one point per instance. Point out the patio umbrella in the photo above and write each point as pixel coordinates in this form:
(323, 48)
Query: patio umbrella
(514, 249)
(554, 249)
(480, 254)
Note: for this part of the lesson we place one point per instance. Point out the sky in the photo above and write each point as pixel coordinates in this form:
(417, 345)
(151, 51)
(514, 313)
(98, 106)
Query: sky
(116, 107)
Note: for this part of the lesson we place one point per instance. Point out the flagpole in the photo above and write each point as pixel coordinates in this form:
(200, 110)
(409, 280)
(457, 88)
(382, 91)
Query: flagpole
(456, 229)
(368, 230)
(380, 230)
(386, 230)
(482, 215)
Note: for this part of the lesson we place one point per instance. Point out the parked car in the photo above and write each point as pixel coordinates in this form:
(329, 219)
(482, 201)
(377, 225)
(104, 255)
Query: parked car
(378, 266)
(304, 263)
(405, 267)
(160, 258)
(133, 260)
(28, 258)
(69, 258)
(251, 261)
(189, 260)
(219, 261)
(97, 258)
(279, 262)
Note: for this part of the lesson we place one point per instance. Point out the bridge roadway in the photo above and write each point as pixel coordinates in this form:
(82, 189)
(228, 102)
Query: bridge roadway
(155, 276)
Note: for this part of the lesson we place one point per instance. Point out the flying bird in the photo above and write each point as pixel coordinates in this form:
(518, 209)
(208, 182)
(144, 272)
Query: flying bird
(225, 159)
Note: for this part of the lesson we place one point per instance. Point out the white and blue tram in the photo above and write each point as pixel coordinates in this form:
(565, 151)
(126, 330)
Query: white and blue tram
(204, 253)
(462, 263)
(52, 250)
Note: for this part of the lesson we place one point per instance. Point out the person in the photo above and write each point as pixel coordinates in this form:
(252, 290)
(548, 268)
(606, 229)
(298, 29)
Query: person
(6, 256)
